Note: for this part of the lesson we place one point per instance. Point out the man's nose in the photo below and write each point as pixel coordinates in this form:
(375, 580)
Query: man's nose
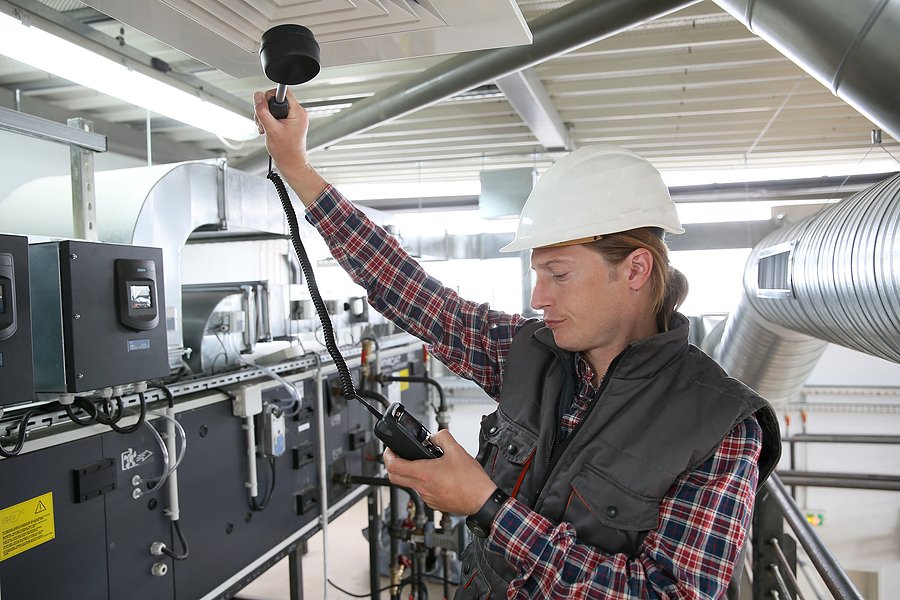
(538, 297)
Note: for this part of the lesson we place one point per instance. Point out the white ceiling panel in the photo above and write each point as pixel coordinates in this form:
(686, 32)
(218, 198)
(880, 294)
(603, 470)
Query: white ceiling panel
(225, 34)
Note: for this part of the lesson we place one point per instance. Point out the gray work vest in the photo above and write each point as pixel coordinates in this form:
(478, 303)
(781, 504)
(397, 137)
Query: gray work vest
(663, 408)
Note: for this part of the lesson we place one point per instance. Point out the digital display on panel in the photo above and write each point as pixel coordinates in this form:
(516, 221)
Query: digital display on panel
(140, 297)
(2, 299)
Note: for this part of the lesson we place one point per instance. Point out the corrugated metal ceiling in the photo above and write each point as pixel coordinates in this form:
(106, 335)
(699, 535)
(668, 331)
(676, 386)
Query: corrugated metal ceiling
(694, 89)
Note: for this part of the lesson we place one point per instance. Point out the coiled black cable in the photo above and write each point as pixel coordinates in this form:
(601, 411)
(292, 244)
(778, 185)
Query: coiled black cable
(141, 417)
(20, 438)
(346, 381)
(85, 405)
(109, 413)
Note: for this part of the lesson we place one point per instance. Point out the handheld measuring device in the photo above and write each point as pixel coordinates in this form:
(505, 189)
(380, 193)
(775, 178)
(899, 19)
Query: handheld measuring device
(405, 435)
(290, 56)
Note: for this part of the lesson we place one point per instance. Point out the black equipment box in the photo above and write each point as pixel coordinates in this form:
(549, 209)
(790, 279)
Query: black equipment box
(16, 368)
(103, 320)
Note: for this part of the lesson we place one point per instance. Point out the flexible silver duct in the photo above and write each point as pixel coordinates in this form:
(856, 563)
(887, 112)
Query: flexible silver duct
(849, 46)
(833, 277)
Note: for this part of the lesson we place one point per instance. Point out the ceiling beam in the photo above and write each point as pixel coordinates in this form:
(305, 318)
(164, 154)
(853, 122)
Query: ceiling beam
(528, 96)
(122, 139)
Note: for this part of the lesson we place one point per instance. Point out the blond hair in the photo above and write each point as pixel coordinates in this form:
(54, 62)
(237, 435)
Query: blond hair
(668, 285)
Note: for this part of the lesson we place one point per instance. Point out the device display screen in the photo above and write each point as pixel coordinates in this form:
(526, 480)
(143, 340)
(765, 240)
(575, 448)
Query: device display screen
(413, 426)
(2, 299)
(140, 297)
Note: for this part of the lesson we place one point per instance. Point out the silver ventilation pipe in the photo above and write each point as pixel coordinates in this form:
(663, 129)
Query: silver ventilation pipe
(565, 29)
(851, 47)
(833, 277)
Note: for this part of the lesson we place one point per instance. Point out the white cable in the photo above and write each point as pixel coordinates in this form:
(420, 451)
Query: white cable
(163, 450)
(292, 390)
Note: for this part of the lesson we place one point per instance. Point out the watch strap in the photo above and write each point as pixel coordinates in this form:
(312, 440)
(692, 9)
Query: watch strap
(480, 522)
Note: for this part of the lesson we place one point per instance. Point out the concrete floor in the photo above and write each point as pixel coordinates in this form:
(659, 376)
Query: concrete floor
(348, 565)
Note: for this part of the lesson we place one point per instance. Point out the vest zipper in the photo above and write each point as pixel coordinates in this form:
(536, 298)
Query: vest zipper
(554, 455)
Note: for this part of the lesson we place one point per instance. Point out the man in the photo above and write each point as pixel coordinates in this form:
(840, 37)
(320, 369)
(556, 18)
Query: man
(621, 462)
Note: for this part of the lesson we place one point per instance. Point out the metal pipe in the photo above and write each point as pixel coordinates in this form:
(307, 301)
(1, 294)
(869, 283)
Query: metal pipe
(577, 24)
(786, 566)
(781, 583)
(374, 555)
(835, 578)
(396, 569)
(280, 92)
(822, 438)
(417, 379)
(859, 481)
(348, 479)
(850, 47)
(323, 474)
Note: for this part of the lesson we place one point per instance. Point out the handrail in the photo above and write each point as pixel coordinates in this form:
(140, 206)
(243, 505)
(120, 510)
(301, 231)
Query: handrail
(837, 438)
(833, 575)
(857, 481)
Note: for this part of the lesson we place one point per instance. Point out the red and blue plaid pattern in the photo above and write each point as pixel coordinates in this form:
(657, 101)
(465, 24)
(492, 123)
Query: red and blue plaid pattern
(703, 519)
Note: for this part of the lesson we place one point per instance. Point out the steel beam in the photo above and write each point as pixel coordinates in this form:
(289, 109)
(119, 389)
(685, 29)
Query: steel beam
(44, 129)
(528, 96)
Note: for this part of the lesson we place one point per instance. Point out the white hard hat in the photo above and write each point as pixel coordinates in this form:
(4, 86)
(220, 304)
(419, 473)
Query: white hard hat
(594, 191)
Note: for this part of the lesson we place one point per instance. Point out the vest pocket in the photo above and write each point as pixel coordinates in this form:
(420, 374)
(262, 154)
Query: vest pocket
(504, 449)
(607, 514)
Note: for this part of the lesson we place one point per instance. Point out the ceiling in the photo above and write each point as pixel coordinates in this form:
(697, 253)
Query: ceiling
(694, 89)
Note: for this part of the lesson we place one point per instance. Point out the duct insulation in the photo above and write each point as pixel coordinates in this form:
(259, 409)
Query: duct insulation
(833, 277)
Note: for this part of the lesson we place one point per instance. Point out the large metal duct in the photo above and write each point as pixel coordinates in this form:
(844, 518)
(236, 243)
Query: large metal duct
(850, 47)
(158, 206)
(833, 277)
(575, 25)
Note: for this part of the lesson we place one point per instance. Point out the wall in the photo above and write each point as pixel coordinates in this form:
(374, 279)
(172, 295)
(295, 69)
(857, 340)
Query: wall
(25, 159)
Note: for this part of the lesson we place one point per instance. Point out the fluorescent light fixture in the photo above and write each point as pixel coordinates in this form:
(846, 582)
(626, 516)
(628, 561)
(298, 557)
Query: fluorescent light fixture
(62, 58)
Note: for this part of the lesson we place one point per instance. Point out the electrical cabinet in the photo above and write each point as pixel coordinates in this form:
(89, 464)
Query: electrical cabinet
(16, 367)
(102, 315)
(106, 514)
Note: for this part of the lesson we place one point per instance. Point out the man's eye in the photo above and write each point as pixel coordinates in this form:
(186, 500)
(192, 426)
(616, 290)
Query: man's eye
(559, 276)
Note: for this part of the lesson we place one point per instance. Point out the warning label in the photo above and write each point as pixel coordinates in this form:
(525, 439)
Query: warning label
(26, 525)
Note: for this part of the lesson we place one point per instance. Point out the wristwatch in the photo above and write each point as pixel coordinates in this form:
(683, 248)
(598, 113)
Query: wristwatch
(480, 522)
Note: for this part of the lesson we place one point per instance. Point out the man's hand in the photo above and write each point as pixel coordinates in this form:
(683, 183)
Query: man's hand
(286, 143)
(454, 483)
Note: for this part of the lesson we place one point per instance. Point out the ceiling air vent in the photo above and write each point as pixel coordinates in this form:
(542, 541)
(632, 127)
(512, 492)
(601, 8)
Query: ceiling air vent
(225, 34)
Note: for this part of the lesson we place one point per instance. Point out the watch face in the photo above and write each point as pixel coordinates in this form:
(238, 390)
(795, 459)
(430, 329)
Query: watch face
(475, 527)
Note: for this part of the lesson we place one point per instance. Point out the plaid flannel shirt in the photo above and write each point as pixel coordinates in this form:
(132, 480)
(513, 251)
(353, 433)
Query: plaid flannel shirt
(703, 519)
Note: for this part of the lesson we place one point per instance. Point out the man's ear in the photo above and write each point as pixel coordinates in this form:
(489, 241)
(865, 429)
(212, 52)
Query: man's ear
(639, 265)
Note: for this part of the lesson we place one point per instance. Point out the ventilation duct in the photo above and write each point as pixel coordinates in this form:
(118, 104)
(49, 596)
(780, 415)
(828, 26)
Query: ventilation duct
(850, 47)
(833, 277)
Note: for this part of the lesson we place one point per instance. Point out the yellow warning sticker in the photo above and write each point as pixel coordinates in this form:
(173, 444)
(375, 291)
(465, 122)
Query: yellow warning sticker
(404, 385)
(26, 525)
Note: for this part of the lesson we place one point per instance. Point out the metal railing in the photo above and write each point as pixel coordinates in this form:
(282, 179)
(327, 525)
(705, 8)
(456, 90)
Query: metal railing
(775, 550)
